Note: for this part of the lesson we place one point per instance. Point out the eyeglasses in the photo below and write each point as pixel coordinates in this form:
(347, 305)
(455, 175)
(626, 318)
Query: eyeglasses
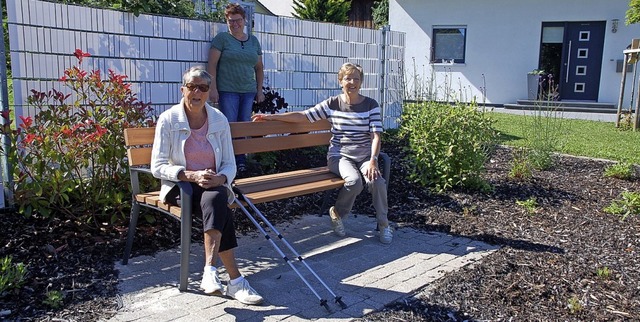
(202, 87)
(238, 20)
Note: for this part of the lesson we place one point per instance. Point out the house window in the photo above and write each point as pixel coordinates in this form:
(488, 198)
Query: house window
(449, 44)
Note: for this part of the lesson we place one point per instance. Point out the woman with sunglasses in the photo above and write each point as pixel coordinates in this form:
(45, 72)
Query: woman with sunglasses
(193, 143)
(235, 62)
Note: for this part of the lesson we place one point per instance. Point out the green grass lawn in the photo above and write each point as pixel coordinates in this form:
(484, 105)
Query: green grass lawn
(577, 137)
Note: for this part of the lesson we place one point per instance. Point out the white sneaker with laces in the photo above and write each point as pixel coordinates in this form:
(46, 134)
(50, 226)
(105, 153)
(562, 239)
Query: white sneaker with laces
(244, 293)
(386, 235)
(210, 282)
(336, 222)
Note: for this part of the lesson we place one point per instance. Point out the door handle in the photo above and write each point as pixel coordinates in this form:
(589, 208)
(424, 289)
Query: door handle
(566, 79)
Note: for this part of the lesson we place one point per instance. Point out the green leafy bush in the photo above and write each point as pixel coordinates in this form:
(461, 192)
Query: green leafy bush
(12, 276)
(628, 204)
(448, 144)
(544, 130)
(530, 205)
(69, 157)
(620, 170)
(322, 10)
(520, 166)
(54, 299)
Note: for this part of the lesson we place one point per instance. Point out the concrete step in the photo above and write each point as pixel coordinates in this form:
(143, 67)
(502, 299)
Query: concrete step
(568, 104)
(563, 106)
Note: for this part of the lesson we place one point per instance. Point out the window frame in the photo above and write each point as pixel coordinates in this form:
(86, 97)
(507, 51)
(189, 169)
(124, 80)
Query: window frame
(435, 31)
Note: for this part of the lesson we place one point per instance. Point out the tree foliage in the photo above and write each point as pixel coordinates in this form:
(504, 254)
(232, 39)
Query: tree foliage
(322, 10)
(633, 13)
(179, 8)
(380, 12)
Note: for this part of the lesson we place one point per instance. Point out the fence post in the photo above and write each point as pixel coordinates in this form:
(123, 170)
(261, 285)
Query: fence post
(383, 72)
(7, 180)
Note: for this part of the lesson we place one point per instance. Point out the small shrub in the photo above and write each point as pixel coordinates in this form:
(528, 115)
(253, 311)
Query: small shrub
(574, 305)
(620, 170)
(544, 130)
(627, 205)
(12, 276)
(448, 145)
(273, 102)
(54, 299)
(626, 121)
(69, 158)
(530, 205)
(603, 272)
(520, 166)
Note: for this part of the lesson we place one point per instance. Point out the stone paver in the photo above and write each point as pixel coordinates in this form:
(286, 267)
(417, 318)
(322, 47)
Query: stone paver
(364, 272)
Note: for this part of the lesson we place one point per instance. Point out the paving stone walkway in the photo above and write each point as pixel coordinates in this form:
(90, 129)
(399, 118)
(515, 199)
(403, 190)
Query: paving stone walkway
(364, 272)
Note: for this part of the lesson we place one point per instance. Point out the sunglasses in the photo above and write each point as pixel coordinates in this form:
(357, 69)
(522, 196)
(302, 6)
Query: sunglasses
(192, 87)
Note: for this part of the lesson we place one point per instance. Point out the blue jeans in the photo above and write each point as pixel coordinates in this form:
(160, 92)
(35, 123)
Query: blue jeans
(237, 107)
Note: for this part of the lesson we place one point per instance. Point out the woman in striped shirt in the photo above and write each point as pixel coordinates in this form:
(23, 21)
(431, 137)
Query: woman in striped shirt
(356, 125)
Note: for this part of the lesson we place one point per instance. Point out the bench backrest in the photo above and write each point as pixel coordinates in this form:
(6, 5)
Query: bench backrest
(248, 137)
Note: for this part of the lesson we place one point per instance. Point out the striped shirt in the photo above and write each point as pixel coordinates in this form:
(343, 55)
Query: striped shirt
(351, 125)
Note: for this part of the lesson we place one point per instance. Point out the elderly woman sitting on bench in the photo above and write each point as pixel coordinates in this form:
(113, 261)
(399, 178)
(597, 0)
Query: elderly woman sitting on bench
(193, 143)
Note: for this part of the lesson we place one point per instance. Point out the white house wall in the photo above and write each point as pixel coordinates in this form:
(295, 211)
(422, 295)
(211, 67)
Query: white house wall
(502, 43)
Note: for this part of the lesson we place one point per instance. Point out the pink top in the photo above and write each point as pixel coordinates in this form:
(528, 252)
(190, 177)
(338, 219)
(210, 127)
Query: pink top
(198, 151)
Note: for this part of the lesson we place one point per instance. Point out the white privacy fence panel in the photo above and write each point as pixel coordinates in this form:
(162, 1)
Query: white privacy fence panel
(301, 58)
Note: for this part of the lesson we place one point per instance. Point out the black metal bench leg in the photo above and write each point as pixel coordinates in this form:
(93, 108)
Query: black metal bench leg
(185, 239)
(135, 212)
(324, 209)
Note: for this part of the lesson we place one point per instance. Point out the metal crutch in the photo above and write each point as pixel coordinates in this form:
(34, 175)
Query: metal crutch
(323, 302)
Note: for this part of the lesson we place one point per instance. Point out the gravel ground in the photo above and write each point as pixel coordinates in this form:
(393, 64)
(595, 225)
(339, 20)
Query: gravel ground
(567, 261)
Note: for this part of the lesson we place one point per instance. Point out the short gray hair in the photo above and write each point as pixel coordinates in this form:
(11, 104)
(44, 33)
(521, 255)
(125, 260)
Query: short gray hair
(196, 72)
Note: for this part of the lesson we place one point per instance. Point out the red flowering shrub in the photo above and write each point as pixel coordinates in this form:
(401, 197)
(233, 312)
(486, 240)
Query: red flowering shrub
(69, 158)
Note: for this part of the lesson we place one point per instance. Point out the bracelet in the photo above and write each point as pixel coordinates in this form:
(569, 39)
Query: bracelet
(375, 158)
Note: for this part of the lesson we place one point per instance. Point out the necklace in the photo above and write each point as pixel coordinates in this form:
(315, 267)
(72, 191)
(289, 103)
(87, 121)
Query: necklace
(241, 41)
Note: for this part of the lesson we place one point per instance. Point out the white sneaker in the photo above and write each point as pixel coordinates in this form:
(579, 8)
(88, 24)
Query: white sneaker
(386, 235)
(244, 293)
(210, 282)
(336, 222)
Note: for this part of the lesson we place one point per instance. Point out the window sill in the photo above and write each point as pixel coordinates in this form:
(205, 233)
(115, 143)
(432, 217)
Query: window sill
(449, 64)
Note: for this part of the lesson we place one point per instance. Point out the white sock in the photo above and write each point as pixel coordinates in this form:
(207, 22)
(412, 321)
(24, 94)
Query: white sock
(236, 281)
(210, 269)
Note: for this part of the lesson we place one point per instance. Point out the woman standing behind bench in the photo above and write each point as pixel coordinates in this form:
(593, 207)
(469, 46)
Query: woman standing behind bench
(193, 143)
(235, 62)
(356, 126)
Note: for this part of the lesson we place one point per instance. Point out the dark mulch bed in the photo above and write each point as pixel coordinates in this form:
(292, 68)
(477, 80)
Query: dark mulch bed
(545, 271)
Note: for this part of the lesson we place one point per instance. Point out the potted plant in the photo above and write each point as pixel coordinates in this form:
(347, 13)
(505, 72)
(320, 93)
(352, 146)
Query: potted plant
(533, 82)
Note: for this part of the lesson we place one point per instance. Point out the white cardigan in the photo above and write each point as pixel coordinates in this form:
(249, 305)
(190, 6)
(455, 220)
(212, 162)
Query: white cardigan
(172, 131)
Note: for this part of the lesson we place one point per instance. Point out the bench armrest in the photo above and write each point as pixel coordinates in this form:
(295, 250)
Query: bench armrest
(185, 187)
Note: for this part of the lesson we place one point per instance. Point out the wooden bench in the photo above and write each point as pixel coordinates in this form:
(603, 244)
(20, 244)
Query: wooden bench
(248, 138)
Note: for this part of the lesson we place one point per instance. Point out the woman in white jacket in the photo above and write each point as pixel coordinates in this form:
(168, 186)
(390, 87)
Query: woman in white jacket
(193, 144)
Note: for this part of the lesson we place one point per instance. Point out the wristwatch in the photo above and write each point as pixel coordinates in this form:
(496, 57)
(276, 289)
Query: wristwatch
(375, 158)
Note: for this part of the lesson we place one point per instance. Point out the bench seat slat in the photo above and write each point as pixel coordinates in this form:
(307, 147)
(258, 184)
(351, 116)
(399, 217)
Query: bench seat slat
(153, 199)
(284, 176)
(142, 197)
(251, 187)
(294, 191)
